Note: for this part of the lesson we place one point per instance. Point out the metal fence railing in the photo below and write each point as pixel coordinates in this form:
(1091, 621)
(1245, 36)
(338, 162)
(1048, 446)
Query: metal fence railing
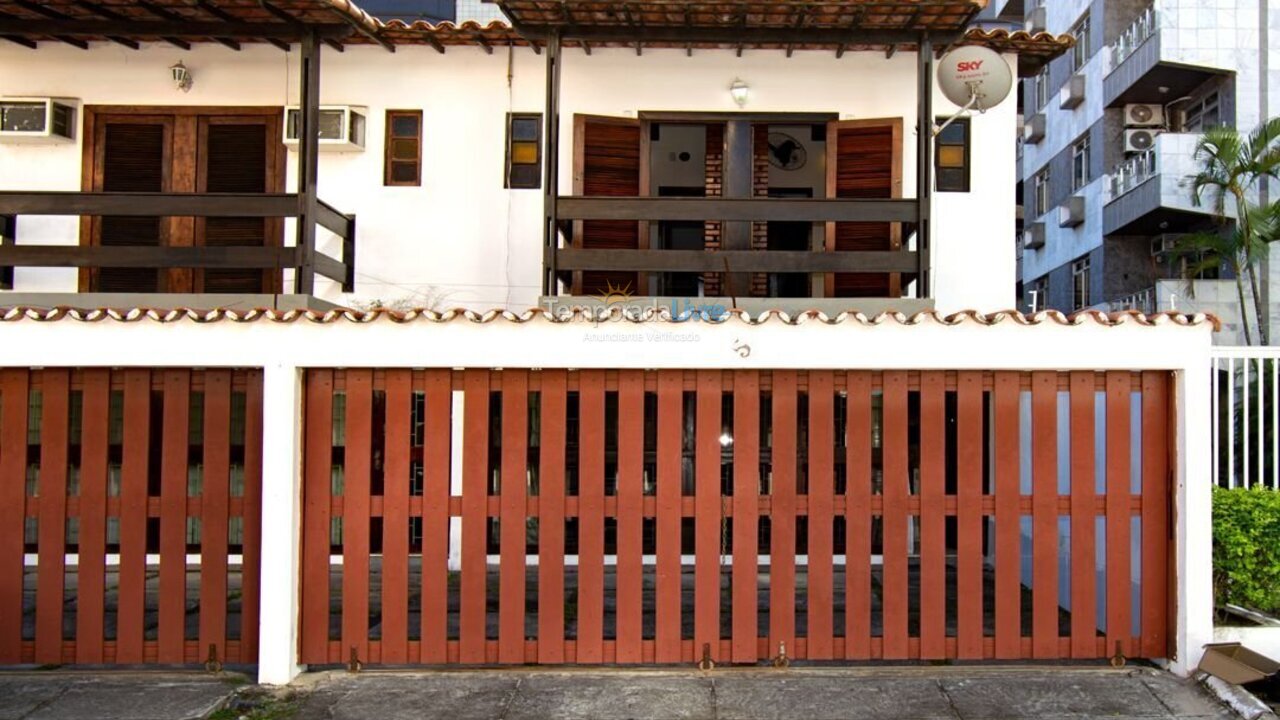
(1246, 416)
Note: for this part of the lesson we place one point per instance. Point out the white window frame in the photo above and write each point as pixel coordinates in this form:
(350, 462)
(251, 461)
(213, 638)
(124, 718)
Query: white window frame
(1083, 49)
(1080, 151)
(1040, 192)
(1042, 87)
(1081, 275)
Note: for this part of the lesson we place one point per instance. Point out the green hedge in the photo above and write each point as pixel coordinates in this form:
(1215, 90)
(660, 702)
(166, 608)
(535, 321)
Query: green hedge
(1246, 548)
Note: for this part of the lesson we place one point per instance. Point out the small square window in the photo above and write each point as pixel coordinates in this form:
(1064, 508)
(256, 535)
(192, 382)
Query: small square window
(951, 157)
(402, 159)
(524, 151)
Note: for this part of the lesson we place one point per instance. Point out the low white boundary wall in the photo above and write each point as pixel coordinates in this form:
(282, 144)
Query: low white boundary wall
(284, 349)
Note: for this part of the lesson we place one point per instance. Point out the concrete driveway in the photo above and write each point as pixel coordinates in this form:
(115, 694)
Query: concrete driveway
(758, 694)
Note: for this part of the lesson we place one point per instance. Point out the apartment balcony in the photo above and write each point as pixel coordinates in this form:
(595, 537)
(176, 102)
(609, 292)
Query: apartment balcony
(1150, 192)
(1013, 11)
(1151, 63)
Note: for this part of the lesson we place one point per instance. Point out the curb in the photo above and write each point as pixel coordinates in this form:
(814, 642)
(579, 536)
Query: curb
(1238, 699)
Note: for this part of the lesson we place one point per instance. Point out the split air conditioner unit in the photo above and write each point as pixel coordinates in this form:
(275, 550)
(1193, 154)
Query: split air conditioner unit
(1072, 94)
(342, 127)
(1143, 115)
(1071, 212)
(37, 119)
(1033, 236)
(1165, 246)
(1139, 139)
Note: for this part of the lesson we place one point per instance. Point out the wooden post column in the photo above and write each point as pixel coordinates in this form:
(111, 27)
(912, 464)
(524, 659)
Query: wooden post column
(924, 158)
(304, 282)
(551, 118)
(739, 166)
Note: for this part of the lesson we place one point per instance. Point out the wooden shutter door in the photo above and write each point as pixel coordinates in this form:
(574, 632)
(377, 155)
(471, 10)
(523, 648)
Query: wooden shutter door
(238, 155)
(132, 154)
(607, 162)
(864, 161)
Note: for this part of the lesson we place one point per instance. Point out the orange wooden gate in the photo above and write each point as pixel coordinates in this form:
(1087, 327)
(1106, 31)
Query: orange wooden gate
(129, 515)
(480, 516)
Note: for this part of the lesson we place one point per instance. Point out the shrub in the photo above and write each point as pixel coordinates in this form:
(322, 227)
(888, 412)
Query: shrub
(1246, 548)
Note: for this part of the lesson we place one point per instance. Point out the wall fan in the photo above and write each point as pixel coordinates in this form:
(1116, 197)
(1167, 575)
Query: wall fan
(785, 152)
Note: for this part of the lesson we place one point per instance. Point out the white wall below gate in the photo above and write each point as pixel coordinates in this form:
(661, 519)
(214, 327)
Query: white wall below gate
(461, 239)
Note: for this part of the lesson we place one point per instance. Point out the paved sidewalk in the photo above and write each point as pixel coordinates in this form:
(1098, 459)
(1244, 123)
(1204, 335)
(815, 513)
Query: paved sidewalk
(797, 694)
(83, 695)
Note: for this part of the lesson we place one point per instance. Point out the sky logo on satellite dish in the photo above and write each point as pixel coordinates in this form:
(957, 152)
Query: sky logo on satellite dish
(972, 66)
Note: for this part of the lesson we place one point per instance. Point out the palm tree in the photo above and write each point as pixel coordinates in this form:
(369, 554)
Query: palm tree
(1230, 167)
(1240, 249)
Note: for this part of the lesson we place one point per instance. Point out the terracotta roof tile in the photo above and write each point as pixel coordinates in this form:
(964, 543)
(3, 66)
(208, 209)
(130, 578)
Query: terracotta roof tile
(615, 314)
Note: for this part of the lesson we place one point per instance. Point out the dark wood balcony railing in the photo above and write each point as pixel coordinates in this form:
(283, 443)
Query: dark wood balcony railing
(263, 205)
(571, 209)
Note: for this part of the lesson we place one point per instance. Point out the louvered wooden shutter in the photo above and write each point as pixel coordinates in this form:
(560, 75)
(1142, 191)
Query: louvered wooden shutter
(133, 161)
(235, 161)
(864, 169)
(610, 168)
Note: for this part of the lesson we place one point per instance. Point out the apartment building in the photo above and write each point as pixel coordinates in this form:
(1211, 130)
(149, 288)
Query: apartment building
(1107, 146)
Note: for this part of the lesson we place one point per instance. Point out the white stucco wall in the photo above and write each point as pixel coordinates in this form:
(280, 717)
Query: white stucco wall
(460, 239)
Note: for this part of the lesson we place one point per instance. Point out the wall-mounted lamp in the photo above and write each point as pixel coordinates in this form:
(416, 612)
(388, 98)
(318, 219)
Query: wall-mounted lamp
(181, 76)
(740, 91)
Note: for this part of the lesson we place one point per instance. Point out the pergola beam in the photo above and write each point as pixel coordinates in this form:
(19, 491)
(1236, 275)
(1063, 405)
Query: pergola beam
(191, 29)
(738, 36)
(63, 37)
(51, 13)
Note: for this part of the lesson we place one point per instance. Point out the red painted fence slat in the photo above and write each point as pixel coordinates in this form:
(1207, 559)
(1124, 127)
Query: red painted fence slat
(92, 548)
(969, 558)
(251, 567)
(630, 585)
(896, 489)
(746, 508)
(50, 576)
(133, 516)
(591, 419)
(1119, 519)
(317, 486)
(551, 495)
(1044, 499)
(933, 490)
(396, 476)
(173, 516)
(14, 385)
(667, 633)
(1156, 483)
(821, 513)
(513, 509)
(436, 481)
(1008, 585)
(707, 504)
(475, 500)
(357, 471)
(857, 643)
(215, 499)
(782, 558)
(1084, 612)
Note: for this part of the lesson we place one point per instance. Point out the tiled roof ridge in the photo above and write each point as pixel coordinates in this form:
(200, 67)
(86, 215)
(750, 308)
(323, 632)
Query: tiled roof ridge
(614, 314)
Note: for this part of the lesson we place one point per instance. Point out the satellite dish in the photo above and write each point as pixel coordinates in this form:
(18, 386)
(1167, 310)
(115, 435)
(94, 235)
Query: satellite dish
(975, 77)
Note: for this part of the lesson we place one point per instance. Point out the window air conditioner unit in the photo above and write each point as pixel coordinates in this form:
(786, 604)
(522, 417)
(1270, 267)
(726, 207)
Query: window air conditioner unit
(1037, 20)
(1033, 131)
(37, 120)
(1033, 236)
(1139, 139)
(1071, 212)
(1072, 94)
(342, 127)
(1143, 115)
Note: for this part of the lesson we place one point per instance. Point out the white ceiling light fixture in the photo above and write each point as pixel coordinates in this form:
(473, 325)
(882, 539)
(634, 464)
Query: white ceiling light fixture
(182, 78)
(740, 91)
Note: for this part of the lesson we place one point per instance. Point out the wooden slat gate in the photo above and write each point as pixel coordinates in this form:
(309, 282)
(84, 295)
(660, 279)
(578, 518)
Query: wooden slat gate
(129, 516)
(482, 516)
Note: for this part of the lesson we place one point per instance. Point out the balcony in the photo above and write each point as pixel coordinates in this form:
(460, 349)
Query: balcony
(272, 260)
(1147, 58)
(1150, 192)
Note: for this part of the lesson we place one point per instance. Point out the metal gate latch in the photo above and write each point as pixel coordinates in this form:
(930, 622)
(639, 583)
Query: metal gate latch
(706, 663)
(212, 664)
(1118, 660)
(782, 661)
(354, 665)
